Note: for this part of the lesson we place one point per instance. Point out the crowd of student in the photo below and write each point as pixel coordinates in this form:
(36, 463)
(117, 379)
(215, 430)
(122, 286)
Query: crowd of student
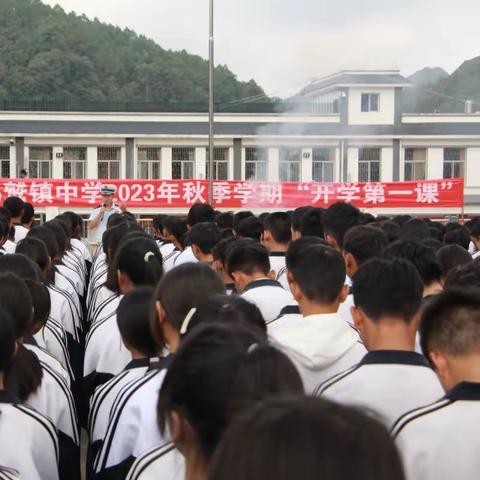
(293, 345)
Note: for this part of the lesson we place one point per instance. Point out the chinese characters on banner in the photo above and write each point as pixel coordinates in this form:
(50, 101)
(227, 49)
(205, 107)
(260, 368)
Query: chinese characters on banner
(236, 194)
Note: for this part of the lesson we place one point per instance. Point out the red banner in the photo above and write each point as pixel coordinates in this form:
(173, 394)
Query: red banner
(236, 194)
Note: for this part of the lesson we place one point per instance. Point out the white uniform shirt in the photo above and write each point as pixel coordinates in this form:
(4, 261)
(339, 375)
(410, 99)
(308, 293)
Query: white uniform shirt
(387, 382)
(99, 230)
(277, 264)
(288, 315)
(10, 247)
(186, 256)
(20, 233)
(441, 441)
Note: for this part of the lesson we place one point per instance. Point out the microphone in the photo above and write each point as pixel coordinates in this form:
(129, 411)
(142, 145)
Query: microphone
(103, 213)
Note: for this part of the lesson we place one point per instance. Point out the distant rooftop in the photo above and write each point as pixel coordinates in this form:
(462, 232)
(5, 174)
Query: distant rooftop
(351, 78)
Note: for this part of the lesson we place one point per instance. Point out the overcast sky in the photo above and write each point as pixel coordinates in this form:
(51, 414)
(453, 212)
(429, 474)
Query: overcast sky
(283, 44)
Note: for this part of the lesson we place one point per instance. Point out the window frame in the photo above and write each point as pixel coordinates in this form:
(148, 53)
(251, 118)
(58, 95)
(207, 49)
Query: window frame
(452, 163)
(323, 163)
(257, 162)
(367, 104)
(414, 163)
(40, 163)
(369, 162)
(109, 163)
(151, 164)
(289, 159)
(183, 163)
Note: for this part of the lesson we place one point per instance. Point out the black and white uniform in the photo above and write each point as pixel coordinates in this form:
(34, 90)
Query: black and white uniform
(288, 315)
(320, 346)
(8, 474)
(441, 441)
(47, 359)
(387, 382)
(230, 289)
(53, 339)
(83, 249)
(28, 441)
(133, 427)
(186, 256)
(20, 233)
(9, 247)
(345, 310)
(277, 264)
(164, 462)
(169, 255)
(269, 296)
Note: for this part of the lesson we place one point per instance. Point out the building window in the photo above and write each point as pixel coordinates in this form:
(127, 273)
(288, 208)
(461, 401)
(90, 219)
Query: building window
(149, 166)
(40, 162)
(109, 162)
(369, 165)
(256, 160)
(290, 163)
(74, 162)
(453, 162)
(415, 164)
(183, 163)
(5, 161)
(220, 163)
(370, 102)
(323, 162)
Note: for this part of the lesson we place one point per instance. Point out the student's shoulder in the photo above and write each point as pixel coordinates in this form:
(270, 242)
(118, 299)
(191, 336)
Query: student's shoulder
(147, 459)
(40, 421)
(336, 380)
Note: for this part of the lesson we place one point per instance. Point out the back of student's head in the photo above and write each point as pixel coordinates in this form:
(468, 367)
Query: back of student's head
(4, 228)
(318, 270)
(205, 236)
(56, 228)
(433, 244)
(250, 227)
(133, 319)
(28, 214)
(451, 323)
(239, 216)
(35, 250)
(364, 242)
(297, 216)
(47, 237)
(248, 257)
(420, 255)
(111, 240)
(158, 222)
(177, 227)
(116, 219)
(206, 383)
(7, 339)
(41, 304)
(457, 235)
(76, 221)
(297, 437)
(311, 223)
(388, 289)
(19, 265)
(451, 256)
(224, 220)
(200, 212)
(415, 228)
(15, 206)
(338, 219)
(279, 226)
(464, 277)
(219, 251)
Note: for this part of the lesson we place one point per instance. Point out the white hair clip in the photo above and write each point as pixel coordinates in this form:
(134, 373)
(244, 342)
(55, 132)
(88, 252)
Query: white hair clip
(186, 321)
(252, 348)
(147, 256)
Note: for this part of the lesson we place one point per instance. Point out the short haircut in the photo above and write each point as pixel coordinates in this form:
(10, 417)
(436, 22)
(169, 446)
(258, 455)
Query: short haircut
(177, 227)
(458, 236)
(224, 220)
(248, 257)
(28, 213)
(297, 216)
(205, 236)
(133, 319)
(15, 206)
(339, 218)
(250, 227)
(279, 225)
(311, 223)
(364, 242)
(416, 228)
(239, 216)
(7, 339)
(464, 276)
(392, 230)
(318, 270)
(4, 212)
(433, 243)
(475, 228)
(451, 323)
(200, 212)
(420, 255)
(4, 227)
(388, 288)
(219, 251)
(158, 222)
(451, 256)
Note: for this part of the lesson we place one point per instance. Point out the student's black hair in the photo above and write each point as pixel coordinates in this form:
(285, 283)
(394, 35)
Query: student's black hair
(59, 234)
(318, 270)
(416, 229)
(297, 437)
(364, 242)
(24, 375)
(112, 241)
(47, 237)
(368, 218)
(297, 216)
(451, 256)
(177, 227)
(392, 230)
(133, 319)
(226, 233)
(311, 223)
(35, 250)
(41, 302)
(158, 222)
(116, 219)
(458, 236)
(67, 221)
(420, 255)
(21, 266)
(437, 230)
(264, 215)
(475, 229)
(250, 227)
(4, 228)
(433, 243)
(239, 216)
(76, 221)
(451, 322)
(6, 214)
(464, 277)
(339, 218)
(15, 206)
(228, 309)
(219, 251)
(28, 214)
(224, 220)
(7, 339)
(200, 212)
(181, 289)
(247, 256)
(279, 225)
(209, 382)
(401, 220)
(205, 235)
(140, 259)
(388, 288)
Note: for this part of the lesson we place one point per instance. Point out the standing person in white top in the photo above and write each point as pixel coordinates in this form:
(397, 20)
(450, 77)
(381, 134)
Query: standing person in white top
(16, 207)
(97, 223)
(249, 265)
(320, 344)
(203, 237)
(276, 237)
(392, 378)
(441, 441)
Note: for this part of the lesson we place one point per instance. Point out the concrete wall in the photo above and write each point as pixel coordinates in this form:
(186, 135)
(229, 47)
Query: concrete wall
(385, 115)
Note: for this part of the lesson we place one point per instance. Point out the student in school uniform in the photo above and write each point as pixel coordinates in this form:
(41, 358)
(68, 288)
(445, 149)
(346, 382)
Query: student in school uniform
(29, 439)
(16, 207)
(203, 237)
(249, 265)
(9, 245)
(276, 237)
(175, 231)
(219, 254)
(320, 344)
(392, 378)
(440, 441)
(133, 427)
(133, 319)
(450, 257)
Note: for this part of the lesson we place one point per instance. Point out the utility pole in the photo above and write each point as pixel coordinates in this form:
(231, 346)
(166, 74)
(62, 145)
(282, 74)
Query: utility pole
(211, 113)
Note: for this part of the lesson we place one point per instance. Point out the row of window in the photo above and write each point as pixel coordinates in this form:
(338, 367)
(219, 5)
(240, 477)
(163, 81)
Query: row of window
(256, 163)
